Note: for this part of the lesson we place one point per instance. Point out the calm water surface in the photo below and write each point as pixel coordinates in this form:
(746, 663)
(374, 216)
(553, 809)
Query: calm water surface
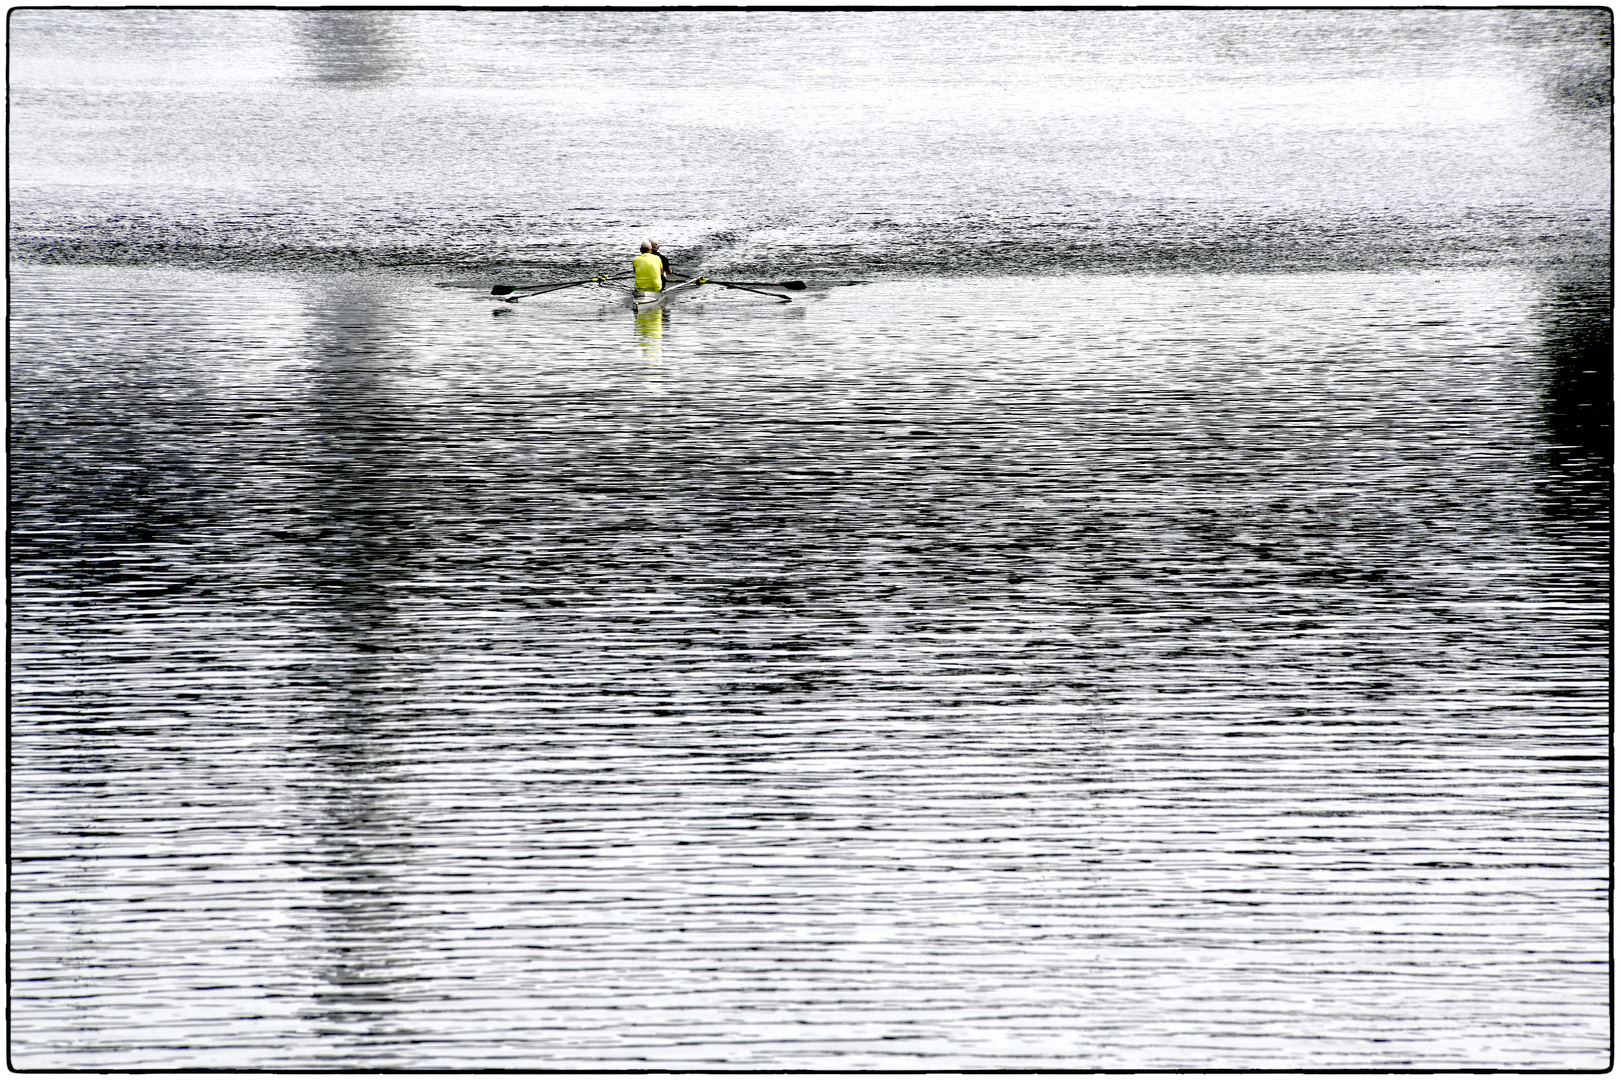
(1159, 620)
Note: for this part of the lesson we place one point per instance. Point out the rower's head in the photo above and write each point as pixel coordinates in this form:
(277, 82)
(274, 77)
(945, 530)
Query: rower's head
(646, 246)
(654, 244)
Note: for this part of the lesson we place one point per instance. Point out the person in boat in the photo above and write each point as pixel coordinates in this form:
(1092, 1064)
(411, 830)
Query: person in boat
(661, 257)
(649, 269)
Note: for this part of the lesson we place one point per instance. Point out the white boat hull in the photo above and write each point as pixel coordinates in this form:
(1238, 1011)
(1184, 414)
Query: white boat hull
(643, 302)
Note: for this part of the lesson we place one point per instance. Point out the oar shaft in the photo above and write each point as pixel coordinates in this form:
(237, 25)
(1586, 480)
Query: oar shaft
(747, 288)
(550, 286)
(794, 286)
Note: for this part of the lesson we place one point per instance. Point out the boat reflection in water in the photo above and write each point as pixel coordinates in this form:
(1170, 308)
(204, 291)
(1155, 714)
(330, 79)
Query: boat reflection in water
(650, 333)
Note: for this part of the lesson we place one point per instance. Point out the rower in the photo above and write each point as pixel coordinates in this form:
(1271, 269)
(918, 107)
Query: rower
(661, 257)
(649, 270)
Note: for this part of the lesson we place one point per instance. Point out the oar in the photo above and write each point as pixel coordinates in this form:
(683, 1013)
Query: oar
(549, 286)
(749, 288)
(792, 286)
(502, 290)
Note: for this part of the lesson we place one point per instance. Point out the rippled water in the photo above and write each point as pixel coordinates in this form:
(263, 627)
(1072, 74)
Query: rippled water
(984, 666)
(894, 143)
(854, 684)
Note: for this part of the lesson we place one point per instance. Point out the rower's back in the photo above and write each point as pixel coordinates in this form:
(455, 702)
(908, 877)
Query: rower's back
(649, 270)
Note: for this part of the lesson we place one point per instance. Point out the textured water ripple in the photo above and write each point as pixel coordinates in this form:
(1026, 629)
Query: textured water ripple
(852, 686)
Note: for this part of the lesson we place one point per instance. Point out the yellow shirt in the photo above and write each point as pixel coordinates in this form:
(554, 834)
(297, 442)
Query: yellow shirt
(649, 272)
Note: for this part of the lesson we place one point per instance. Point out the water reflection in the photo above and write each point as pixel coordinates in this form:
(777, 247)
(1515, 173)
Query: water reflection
(359, 918)
(650, 332)
(352, 502)
(843, 673)
(350, 46)
(351, 512)
(1577, 398)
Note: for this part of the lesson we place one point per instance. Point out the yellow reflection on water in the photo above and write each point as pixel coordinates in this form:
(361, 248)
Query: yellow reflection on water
(650, 333)
(650, 336)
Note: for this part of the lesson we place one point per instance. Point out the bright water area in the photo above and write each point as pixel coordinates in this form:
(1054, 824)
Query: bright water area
(1158, 620)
